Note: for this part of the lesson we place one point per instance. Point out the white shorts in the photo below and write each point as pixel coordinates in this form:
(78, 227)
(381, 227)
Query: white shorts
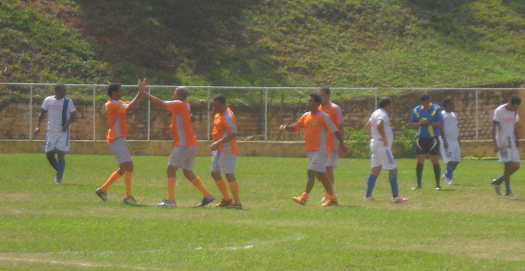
(333, 158)
(223, 162)
(57, 140)
(120, 149)
(453, 153)
(509, 155)
(317, 161)
(183, 157)
(383, 158)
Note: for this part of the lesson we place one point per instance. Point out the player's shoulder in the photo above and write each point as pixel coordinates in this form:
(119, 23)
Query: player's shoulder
(334, 105)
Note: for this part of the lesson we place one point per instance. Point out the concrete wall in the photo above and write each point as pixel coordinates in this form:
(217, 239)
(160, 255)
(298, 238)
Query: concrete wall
(253, 148)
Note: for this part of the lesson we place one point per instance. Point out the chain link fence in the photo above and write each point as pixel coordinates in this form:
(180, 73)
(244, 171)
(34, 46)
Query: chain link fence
(259, 110)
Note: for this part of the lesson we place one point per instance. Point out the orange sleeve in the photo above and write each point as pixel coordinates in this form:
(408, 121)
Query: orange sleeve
(300, 123)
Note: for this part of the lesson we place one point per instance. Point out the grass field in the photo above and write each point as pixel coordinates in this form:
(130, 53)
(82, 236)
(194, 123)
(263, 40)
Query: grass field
(49, 227)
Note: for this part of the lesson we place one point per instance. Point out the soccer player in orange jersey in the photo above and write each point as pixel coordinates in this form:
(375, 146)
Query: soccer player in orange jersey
(336, 115)
(185, 141)
(224, 152)
(116, 111)
(316, 125)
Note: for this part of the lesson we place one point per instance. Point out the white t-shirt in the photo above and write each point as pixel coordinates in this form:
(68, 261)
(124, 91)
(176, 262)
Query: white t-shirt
(450, 125)
(375, 143)
(506, 121)
(54, 109)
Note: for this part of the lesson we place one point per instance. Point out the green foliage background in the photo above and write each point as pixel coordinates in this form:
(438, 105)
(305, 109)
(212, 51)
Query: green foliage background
(348, 43)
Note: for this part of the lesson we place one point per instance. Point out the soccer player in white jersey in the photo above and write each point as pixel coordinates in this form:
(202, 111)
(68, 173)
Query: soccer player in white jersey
(506, 142)
(381, 147)
(61, 113)
(449, 137)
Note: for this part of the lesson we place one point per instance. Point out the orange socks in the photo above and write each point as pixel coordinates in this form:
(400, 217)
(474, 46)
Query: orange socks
(198, 183)
(114, 177)
(171, 188)
(128, 179)
(332, 196)
(305, 196)
(234, 186)
(221, 184)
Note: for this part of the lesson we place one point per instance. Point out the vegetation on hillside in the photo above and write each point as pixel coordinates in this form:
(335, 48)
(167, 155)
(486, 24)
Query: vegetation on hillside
(352, 43)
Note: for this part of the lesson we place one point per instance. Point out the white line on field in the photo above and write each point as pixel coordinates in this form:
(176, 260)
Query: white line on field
(51, 262)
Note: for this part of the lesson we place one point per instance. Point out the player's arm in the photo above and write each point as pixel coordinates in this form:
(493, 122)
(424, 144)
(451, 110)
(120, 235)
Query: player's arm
(443, 137)
(381, 130)
(289, 128)
(495, 126)
(158, 103)
(342, 140)
(215, 145)
(72, 119)
(416, 122)
(136, 101)
(516, 134)
(40, 119)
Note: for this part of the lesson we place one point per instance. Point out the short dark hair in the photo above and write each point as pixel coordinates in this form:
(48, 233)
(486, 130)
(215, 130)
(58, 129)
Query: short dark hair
(384, 102)
(113, 87)
(60, 87)
(447, 101)
(221, 98)
(326, 90)
(515, 100)
(316, 97)
(424, 97)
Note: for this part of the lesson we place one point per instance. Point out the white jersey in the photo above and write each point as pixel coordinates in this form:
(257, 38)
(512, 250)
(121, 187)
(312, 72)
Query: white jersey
(56, 115)
(506, 121)
(375, 143)
(450, 126)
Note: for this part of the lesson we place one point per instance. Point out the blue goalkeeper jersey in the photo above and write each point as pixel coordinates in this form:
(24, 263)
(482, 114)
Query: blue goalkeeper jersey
(433, 114)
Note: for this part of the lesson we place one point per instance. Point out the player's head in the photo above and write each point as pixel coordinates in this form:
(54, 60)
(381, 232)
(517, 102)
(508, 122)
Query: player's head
(181, 93)
(60, 91)
(115, 91)
(385, 103)
(449, 105)
(514, 103)
(425, 100)
(324, 92)
(313, 102)
(219, 103)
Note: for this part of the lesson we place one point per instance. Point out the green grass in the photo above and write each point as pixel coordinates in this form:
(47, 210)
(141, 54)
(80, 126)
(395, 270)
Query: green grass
(49, 227)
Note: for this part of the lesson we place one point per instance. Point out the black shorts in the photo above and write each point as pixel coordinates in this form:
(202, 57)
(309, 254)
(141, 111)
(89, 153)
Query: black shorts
(429, 145)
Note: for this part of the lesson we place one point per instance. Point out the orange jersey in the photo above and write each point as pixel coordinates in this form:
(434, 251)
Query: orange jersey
(335, 114)
(181, 124)
(316, 127)
(225, 123)
(116, 115)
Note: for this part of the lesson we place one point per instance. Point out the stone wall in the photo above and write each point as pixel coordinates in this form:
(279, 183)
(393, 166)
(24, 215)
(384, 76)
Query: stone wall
(14, 117)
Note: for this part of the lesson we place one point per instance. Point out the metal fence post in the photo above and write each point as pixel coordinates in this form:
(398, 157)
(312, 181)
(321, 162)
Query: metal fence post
(375, 101)
(149, 115)
(477, 117)
(208, 120)
(31, 112)
(94, 113)
(266, 116)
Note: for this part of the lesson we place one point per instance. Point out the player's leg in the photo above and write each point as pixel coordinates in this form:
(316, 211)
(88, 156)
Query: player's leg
(420, 146)
(234, 186)
(371, 182)
(50, 155)
(171, 173)
(61, 165)
(128, 168)
(434, 157)
(219, 181)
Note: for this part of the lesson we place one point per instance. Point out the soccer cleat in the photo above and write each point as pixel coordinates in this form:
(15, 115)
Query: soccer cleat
(451, 182)
(130, 201)
(496, 187)
(399, 199)
(102, 195)
(438, 188)
(330, 202)
(417, 187)
(446, 179)
(167, 203)
(207, 200)
(234, 206)
(511, 197)
(371, 198)
(300, 200)
(58, 181)
(325, 198)
(224, 203)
